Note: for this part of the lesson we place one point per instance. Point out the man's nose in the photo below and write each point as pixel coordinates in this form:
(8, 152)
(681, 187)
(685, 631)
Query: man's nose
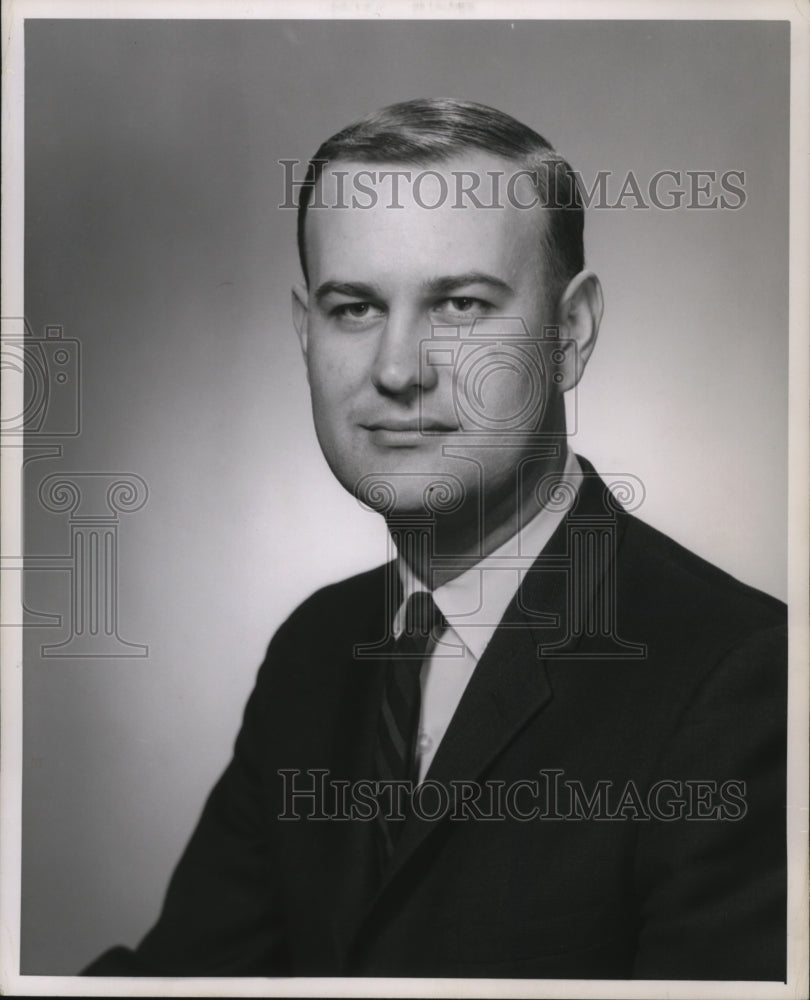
(399, 366)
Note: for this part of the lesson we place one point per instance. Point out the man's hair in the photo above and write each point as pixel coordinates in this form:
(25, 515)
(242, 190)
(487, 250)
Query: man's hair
(433, 130)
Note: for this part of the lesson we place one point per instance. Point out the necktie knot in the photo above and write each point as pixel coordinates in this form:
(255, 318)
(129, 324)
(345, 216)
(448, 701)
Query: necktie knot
(423, 620)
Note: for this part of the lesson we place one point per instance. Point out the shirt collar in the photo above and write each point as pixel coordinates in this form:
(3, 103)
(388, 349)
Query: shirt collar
(474, 602)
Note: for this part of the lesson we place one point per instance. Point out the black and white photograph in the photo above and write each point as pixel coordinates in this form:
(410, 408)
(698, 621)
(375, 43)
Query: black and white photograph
(405, 488)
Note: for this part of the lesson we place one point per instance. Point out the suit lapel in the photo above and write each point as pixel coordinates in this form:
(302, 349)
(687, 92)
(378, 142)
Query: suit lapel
(510, 684)
(508, 688)
(357, 868)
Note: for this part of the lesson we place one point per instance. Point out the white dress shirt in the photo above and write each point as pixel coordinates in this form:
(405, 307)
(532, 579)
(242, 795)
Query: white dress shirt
(473, 604)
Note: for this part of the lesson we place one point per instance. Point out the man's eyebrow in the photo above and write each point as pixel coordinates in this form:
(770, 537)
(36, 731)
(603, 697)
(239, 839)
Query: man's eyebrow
(352, 288)
(436, 286)
(450, 282)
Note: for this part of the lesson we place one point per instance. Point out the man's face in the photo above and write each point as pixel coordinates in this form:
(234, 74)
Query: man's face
(396, 399)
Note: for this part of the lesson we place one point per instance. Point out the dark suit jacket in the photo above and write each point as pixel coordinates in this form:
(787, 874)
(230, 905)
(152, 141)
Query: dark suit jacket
(651, 672)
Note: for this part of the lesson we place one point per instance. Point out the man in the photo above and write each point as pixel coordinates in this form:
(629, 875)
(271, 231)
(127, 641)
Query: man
(544, 740)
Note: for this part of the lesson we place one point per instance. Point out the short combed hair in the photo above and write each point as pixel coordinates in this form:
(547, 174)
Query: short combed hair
(434, 130)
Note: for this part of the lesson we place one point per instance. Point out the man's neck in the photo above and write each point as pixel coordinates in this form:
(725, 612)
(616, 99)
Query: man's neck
(453, 543)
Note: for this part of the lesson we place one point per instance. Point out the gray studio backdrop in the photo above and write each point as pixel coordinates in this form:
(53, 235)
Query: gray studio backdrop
(155, 247)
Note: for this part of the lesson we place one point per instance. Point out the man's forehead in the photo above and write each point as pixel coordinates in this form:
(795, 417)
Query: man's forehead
(469, 205)
(463, 180)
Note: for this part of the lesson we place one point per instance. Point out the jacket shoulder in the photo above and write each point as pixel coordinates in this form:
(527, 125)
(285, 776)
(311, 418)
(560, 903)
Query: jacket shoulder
(659, 573)
(668, 572)
(334, 618)
(334, 602)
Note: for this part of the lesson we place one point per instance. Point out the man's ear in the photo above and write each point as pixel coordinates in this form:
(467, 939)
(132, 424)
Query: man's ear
(579, 313)
(300, 315)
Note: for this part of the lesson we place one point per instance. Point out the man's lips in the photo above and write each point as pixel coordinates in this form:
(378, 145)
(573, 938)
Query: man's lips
(423, 425)
(404, 433)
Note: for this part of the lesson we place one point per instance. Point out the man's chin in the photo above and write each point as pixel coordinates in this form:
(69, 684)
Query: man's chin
(408, 493)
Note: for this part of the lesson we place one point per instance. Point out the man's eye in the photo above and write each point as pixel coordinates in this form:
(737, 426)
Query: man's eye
(464, 305)
(354, 311)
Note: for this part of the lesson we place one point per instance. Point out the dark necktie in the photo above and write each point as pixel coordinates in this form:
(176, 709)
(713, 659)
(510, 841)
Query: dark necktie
(399, 714)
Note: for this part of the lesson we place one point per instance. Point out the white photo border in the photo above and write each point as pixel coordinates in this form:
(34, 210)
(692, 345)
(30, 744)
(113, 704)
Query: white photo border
(15, 12)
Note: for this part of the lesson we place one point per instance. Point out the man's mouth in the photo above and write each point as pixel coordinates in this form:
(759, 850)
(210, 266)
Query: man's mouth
(405, 424)
(404, 432)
